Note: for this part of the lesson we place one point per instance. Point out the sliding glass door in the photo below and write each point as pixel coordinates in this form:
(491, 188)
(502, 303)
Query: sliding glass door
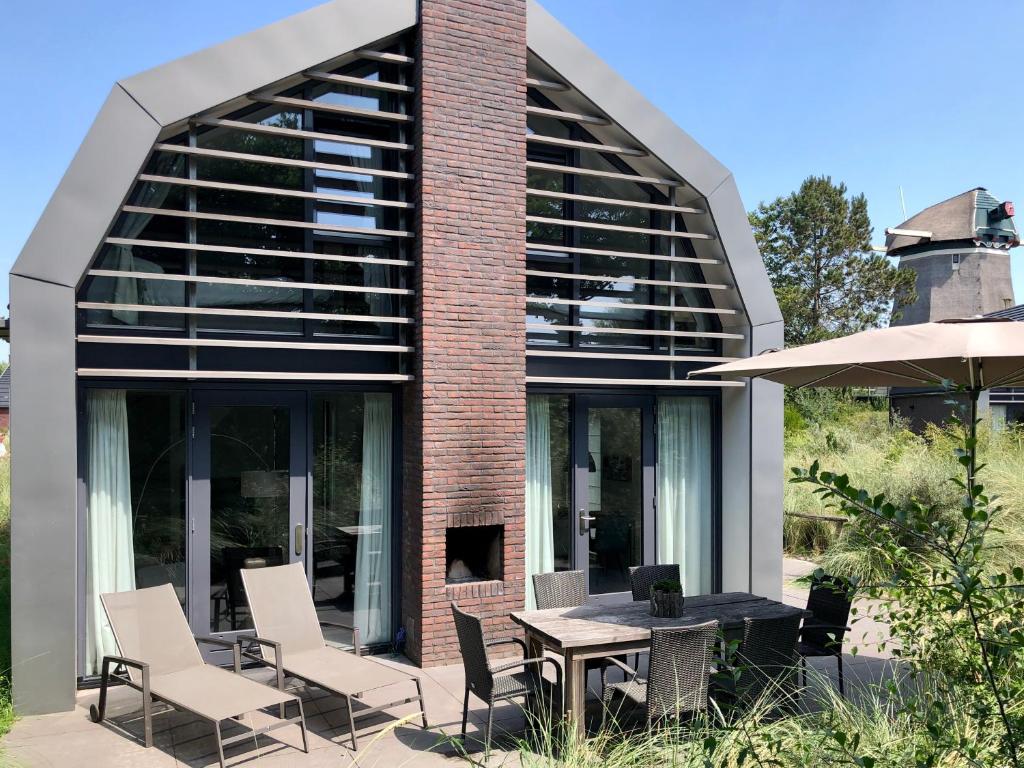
(614, 476)
(616, 481)
(249, 498)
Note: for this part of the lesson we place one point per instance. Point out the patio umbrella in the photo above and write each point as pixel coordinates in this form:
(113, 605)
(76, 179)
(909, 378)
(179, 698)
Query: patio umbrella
(976, 354)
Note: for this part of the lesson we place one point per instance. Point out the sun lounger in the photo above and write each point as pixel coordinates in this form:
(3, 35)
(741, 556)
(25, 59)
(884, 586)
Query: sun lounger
(160, 658)
(291, 641)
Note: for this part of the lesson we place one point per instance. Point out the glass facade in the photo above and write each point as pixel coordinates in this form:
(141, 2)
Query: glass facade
(286, 221)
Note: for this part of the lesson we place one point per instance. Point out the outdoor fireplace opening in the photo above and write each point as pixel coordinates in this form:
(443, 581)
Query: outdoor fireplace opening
(473, 554)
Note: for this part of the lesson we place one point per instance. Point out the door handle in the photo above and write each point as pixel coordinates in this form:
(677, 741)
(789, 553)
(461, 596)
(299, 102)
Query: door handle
(299, 538)
(585, 521)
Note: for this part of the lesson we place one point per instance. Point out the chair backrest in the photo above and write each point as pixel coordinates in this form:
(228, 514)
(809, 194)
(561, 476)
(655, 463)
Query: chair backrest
(767, 657)
(474, 652)
(149, 626)
(234, 560)
(643, 577)
(562, 589)
(829, 603)
(677, 678)
(282, 608)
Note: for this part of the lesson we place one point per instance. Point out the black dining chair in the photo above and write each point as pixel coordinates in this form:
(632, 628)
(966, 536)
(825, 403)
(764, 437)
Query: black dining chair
(505, 680)
(764, 662)
(567, 589)
(677, 677)
(560, 589)
(643, 577)
(823, 631)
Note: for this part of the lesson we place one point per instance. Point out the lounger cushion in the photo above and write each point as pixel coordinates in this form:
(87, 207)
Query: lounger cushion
(341, 671)
(215, 693)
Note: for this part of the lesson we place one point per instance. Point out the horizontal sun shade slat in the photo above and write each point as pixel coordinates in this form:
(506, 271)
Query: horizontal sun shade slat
(574, 144)
(160, 308)
(267, 222)
(576, 117)
(367, 202)
(583, 329)
(603, 174)
(254, 283)
(619, 254)
(296, 133)
(359, 82)
(632, 382)
(168, 341)
(151, 373)
(546, 85)
(125, 241)
(612, 201)
(325, 106)
(221, 154)
(619, 228)
(386, 57)
(535, 300)
(628, 280)
(681, 358)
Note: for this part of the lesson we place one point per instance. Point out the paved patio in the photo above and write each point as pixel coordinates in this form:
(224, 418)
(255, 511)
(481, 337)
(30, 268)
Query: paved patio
(71, 739)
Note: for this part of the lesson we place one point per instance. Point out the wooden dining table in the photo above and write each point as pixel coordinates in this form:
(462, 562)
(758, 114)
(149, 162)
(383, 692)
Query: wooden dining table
(616, 625)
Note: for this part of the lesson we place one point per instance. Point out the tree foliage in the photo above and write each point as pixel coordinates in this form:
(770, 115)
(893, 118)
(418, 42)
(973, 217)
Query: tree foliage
(816, 244)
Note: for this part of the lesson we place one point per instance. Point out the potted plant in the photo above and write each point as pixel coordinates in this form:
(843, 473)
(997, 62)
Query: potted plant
(667, 599)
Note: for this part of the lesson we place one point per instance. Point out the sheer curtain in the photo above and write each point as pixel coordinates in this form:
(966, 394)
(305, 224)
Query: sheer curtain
(373, 554)
(111, 552)
(540, 549)
(684, 489)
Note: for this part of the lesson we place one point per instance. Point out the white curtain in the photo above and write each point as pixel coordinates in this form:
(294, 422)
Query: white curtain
(111, 552)
(540, 548)
(684, 489)
(373, 553)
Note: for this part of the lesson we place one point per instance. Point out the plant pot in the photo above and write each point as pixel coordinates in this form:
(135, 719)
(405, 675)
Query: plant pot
(666, 605)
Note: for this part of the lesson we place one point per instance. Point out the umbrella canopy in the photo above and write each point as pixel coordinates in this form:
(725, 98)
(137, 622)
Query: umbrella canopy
(977, 353)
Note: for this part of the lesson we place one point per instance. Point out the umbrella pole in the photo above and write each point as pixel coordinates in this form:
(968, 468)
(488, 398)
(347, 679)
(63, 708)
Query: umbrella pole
(973, 445)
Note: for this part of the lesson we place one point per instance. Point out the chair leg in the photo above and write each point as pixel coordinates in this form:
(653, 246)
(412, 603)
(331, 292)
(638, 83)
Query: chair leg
(490, 727)
(302, 725)
(465, 714)
(423, 704)
(352, 723)
(803, 672)
(147, 717)
(220, 743)
(839, 662)
(98, 713)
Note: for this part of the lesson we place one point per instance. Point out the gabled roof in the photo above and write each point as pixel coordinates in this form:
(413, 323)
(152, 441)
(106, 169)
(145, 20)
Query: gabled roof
(964, 217)
(140, 109)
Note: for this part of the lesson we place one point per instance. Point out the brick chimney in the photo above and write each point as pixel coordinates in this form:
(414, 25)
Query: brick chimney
(465, 414)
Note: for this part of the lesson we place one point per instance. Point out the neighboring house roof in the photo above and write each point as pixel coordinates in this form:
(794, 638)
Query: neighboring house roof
(5, 389)
(154, 104)
(972, 215)
(1014, 313)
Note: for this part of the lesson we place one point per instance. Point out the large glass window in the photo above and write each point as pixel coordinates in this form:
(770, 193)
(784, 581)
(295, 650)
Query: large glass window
(136, 502)
(352, 511)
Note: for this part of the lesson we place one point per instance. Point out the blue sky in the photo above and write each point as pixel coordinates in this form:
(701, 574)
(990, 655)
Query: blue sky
(923, 95)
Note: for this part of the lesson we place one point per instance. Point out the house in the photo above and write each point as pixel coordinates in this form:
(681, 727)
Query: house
(405, 291)
(959, 250)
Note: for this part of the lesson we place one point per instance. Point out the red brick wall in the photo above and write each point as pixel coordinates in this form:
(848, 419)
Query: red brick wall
(465, 415)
